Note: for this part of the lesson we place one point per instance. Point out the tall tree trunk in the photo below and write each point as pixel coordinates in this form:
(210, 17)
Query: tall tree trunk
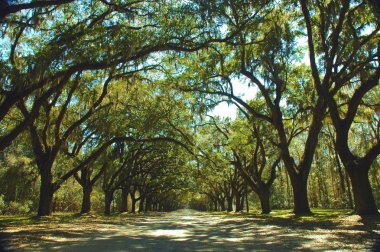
(108, 201)
(230, 204)
(154, 207)
(86, 199)
(301, 202)
(288, 190)
(237, 202)
(141, 203)
(340, 171)
(124, 200)
(133, 205)
(361, 187)
(349, 193)
(222, 204)
(264, 197)
(46, 191)
(133, 200)
(246, 201)
(242, 203)
(148, 203)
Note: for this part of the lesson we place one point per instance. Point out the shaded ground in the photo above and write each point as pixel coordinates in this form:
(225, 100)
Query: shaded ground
(191, 231)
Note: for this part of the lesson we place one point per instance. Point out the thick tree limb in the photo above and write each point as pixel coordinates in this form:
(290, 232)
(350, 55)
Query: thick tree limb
(32, 5)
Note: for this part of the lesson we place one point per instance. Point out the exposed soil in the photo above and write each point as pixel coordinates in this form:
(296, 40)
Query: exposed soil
(192, 231)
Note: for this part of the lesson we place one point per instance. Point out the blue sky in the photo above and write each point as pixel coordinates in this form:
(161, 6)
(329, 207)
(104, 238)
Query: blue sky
(242, 90)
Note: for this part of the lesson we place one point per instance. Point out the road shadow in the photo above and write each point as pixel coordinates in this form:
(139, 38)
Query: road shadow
(197, 232)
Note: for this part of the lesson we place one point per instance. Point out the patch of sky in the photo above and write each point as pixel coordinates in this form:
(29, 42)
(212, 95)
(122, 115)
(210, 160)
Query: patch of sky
(301, 43)
(5, 47)
(10, 2)
(243, 90)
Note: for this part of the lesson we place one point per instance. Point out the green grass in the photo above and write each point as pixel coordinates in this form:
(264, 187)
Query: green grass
(64, 217)
(318, 214)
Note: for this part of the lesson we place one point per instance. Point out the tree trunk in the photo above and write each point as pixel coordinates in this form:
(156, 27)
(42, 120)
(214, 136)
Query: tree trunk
(133, 208)
(246, 202)
(148, 203)
(340, 172)
(301, 203)
(229, 204)
(86, 199)
(124, 200)
(46, 192)
(288, 190)
(242, 202)
(108, 201)
(222, 205)
(141, 204)
(155, 207)
(237, 202)
(264, 197)
(361, 188)
(349, 193)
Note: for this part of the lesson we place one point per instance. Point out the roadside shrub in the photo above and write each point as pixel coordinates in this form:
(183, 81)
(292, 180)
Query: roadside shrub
(2, 204)
(17, 208)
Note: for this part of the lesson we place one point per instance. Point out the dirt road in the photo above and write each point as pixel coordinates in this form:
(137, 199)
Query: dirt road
(193, 231)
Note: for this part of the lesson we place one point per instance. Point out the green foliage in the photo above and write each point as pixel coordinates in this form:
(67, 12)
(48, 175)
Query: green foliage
(18, 208)
(2, 204)
(75, 77)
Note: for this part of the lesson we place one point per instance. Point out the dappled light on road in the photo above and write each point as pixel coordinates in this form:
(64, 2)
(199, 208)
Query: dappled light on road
(191, 231)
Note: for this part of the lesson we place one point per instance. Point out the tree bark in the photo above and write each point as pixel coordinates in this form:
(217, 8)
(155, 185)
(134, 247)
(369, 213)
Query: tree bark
(46, 191)
(229, 204)
(358, 171)
(349, 193)
(238, 207)
(301, 202)
(133, 205)
(148, 203)
(86, 199)
(107, 204)
(46, 197)
(124, 200)
(141, 204)
(362, 190)
(264, 197)
(222, 205)
(155, 207)
(246, 200)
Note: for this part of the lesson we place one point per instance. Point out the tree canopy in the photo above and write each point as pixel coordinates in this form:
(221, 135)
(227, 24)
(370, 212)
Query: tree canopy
(116, 98)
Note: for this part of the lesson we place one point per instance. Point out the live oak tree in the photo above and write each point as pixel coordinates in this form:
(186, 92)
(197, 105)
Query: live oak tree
(124, 167)
(222, 180)
(119, 91)
(264, 54)
(44, 50)
(344, 59)
(89, 175)
(69, 54)
(256, 158)
(41, 58)
(51, 132)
